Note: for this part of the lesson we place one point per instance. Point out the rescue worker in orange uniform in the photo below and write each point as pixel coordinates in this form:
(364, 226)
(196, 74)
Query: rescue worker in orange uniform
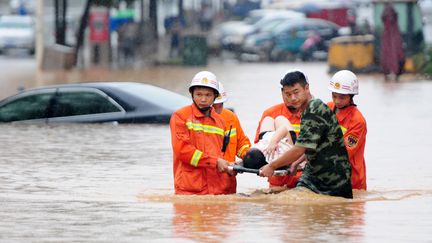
(293, 116)
(238, 143)
(344, 85)
(197, 134)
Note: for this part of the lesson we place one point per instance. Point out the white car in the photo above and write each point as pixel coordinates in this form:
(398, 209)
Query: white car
(17, 32)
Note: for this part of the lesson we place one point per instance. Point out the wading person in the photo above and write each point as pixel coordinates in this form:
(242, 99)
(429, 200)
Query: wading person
(293, 116)
(197, 134)
(275, 138)
(327, 170)
(236, 143)
(344, 85)
(392, 56)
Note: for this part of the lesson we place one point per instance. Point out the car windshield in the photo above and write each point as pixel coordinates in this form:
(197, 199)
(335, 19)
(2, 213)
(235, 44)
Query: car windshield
(283, 27)
(163, 98)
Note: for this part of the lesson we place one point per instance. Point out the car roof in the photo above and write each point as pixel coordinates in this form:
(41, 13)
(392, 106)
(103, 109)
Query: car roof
(306, 21)
(131, 95)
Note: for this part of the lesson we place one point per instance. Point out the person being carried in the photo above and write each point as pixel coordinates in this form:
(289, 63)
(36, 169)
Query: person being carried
(276, 137)
(327, 170)
(197, 134)
(236, 143)
(344, 85)
(293, 116)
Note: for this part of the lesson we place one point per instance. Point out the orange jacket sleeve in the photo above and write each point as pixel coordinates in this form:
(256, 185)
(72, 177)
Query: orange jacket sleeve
(355, 136)
(183, 148)
(243, 142)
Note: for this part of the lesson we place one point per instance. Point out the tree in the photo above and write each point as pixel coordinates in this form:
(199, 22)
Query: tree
(81, 29)
(60, 21)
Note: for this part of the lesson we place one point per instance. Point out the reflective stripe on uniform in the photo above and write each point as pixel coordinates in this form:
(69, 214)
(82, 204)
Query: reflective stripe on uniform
(195, 158)
(233, 132)
(296, 127)
(242, 148)
(344, 129)
(204, 128)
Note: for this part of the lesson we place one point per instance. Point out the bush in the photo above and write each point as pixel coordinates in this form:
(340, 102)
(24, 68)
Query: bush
(422, 61)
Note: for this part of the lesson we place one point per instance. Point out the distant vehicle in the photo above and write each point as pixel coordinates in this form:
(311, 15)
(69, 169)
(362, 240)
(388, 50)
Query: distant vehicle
(285, 40)
(22, 6)
(242, 8)
(231, 34)
(17, 32)
(99, 102)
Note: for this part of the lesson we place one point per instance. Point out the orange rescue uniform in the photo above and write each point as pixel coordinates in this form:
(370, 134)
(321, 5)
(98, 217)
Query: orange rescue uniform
(197, 141)
(239, 143)
(294, 118)
(353, 126)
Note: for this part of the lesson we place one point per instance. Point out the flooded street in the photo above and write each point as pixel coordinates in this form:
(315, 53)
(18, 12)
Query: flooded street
(114, 183)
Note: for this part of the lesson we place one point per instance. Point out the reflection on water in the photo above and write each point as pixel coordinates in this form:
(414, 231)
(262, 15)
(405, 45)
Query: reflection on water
(113, 183)
(210, 218)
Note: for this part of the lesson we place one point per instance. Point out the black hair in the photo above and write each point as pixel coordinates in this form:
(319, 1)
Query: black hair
(254, 159)
(294, 77)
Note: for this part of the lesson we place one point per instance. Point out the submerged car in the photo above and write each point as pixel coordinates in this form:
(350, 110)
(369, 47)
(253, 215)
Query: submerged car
(98, 102)
(17, 32)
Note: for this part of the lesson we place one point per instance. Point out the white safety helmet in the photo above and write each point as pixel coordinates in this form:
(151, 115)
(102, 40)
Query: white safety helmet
(222, 95)
(205, 79)
(344, 82)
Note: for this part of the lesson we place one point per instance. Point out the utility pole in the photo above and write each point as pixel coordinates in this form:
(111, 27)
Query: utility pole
(60, 8)
(39, 33)
(153, 18)
(181, 10)
(81, 29)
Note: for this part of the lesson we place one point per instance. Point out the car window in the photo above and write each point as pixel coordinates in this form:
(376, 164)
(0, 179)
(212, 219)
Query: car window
(303, 31)
(323, 30)
(26, 108)
(82, 103)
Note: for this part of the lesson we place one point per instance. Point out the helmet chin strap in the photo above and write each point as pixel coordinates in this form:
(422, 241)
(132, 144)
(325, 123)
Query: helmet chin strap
(352, 104)
(203, 109)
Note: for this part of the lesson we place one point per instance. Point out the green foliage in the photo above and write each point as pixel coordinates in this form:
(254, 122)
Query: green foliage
(422, 61)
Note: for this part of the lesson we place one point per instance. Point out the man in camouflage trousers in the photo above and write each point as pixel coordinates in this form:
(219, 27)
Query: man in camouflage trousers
(328, 170)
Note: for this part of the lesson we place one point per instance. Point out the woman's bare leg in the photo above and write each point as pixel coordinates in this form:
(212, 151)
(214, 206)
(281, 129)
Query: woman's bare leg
(267, 124)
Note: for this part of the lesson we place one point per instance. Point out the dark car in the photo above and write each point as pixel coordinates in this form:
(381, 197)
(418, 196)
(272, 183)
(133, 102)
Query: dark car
(99, 102)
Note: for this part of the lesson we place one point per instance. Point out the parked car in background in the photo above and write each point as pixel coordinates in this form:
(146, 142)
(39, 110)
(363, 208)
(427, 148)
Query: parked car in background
(231, 34)
(242, 8)
(100, 102)
(17, 32)
(285, 40)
